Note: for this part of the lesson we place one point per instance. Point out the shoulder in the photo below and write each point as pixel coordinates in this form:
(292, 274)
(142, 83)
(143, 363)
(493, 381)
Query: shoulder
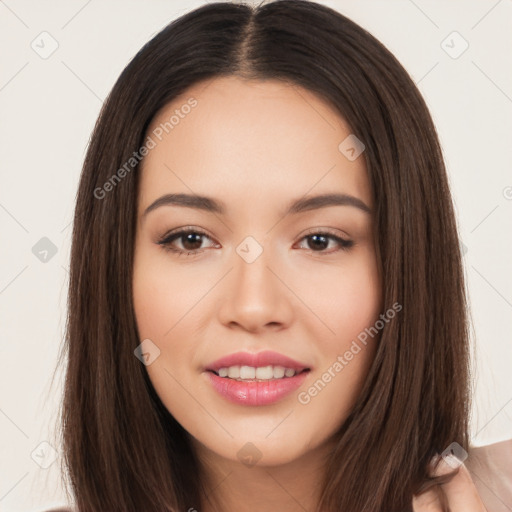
(490, 467)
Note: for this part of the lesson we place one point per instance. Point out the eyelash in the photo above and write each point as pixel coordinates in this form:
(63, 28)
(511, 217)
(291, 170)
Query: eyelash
(168, 238)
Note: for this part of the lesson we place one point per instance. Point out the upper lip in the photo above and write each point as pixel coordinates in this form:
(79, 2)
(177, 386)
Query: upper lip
(265, 358)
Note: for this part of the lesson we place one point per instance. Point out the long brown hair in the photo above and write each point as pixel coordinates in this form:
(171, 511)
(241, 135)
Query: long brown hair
(123, 450)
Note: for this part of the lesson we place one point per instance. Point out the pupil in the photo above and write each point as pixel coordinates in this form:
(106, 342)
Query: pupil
(320, 238)
(318, 241)
(189, 239)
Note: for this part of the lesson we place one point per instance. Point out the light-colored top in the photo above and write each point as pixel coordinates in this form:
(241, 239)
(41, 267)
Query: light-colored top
(490, 467)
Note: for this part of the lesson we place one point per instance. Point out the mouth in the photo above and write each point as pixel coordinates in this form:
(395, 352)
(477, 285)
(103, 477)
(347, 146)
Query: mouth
(266, 365)
(257, 374)
(256, 379)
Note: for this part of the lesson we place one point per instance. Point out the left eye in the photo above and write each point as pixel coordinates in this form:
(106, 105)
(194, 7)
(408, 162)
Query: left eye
(191, 241)
(320, 240)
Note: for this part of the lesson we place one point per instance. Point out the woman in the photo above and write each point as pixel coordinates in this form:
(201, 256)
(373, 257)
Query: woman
(266, 302)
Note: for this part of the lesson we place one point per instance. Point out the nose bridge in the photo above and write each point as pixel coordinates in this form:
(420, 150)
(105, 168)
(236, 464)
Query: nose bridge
(254, 295)
(252, 276)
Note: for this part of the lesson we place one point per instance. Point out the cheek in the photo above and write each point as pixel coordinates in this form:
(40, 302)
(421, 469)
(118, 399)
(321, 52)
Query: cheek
(355, 303)
(345, 355)
(162, 295)
(160, 304)
(171, 305)
(164, 303)
(349, 304)
(346, 299)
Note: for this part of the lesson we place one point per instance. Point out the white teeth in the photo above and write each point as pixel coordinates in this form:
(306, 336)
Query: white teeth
(247, 372)
(234, 372)
(279, 372)
(260, 373)
(264, 373)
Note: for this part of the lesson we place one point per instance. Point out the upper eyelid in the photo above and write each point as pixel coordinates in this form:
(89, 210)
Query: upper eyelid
(181, 231)
(344, 240)
(310, 231)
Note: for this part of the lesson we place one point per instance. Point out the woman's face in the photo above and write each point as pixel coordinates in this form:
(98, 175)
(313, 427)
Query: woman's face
(268, 287)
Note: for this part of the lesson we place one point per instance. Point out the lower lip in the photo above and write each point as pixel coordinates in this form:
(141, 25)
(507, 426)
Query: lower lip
(256, 393)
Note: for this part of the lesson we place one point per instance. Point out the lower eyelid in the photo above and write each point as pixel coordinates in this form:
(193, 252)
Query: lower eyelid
(166, 243)
(343, 243)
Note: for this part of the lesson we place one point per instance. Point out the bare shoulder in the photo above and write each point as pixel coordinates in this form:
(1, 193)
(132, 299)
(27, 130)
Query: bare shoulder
(490, 467)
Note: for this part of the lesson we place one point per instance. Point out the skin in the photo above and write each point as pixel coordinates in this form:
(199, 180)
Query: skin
(461, 492)
(255, 146)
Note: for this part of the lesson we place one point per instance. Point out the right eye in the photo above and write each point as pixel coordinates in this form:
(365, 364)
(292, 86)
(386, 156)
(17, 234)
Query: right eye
(190, 239)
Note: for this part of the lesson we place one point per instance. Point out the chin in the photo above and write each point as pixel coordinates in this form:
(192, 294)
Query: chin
(261, 450)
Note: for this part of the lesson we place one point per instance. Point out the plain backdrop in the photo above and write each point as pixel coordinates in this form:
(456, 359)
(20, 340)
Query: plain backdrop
(48, 108)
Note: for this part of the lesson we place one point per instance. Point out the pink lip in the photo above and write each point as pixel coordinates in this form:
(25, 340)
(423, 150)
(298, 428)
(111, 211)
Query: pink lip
(259, 359)
(256, 392)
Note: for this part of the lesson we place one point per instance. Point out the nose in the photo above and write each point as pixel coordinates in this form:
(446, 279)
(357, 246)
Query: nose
(255, 295)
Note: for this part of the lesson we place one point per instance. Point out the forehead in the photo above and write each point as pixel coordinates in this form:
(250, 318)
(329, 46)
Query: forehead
(232, 137)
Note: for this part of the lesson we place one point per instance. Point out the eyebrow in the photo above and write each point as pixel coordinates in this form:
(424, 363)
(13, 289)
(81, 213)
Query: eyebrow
(296, 206)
